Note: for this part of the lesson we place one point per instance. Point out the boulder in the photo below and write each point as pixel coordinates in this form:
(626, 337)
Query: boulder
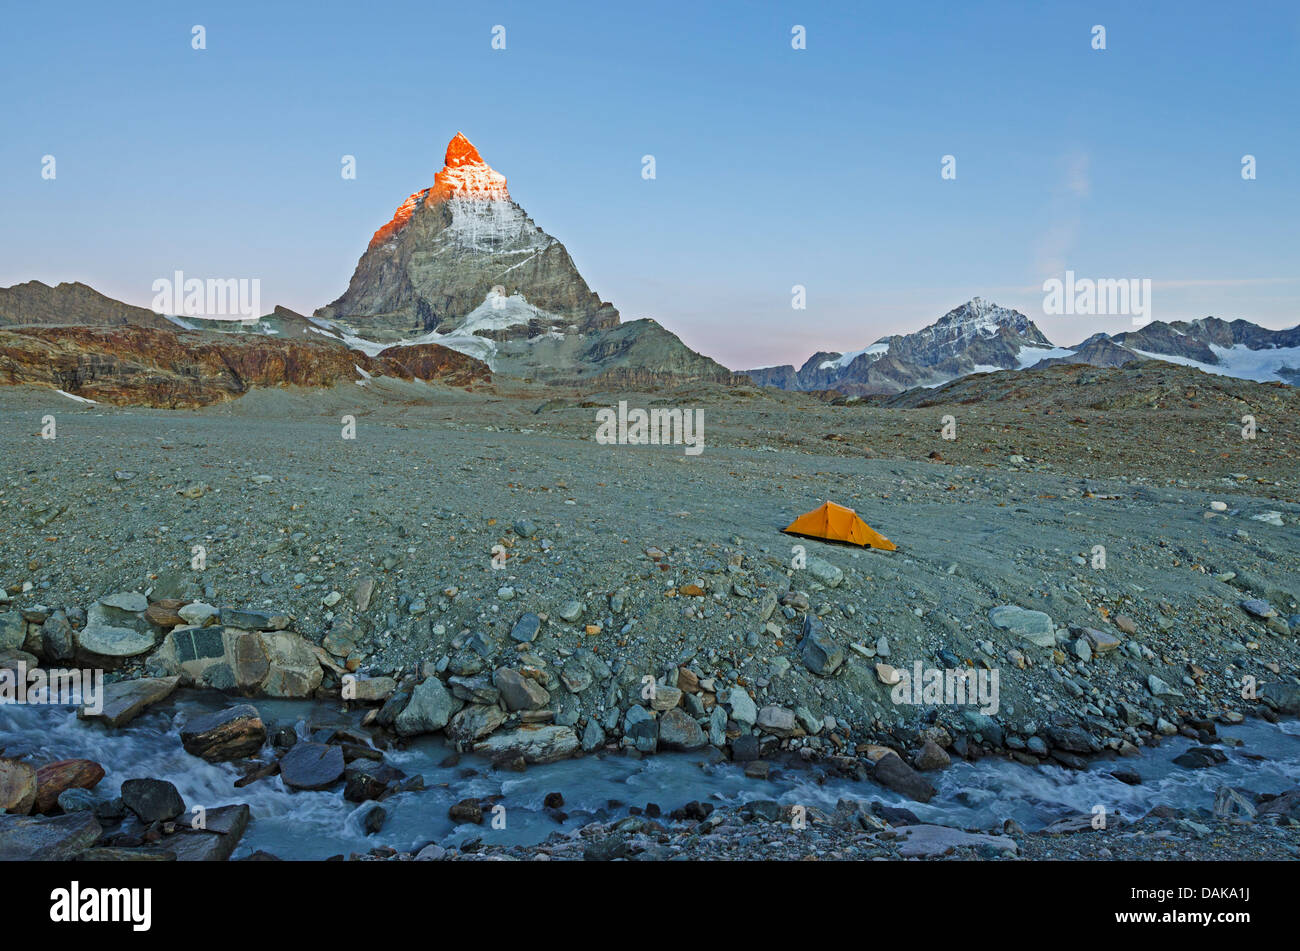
(1161, 689)
(235, 733)
(536, 744)
(294, 670)
(778, 721)
(125, 700)
(52, 779)
(927, 841)
(152, 800)
(932, 756)
(190, 651)
(576, 675)
(125, 602)
(223, 827)
(198, 613)
(467, 810)
(1033, 626)
(58, 641)
(430, 708)
(983, 725)
(366, 779)
(745, 749)
(892, 773)
(1287, 805)
(74, 800)
(475, 722)
(679, 731)
(520, 692)
(1101, 642)
(1286, 697)
(1230, 803)
(641, 728)
(818, 650)
(372, 818)
(824, 572)
(665, 698)
(17, 787)
(245, 655)
(114, 642)
(743, 709)
(163, 613)
(47, 838)
(1201, 757)
(13, 631)
(253, 620)
(312, 766)
(369, 689)
(1257, 607)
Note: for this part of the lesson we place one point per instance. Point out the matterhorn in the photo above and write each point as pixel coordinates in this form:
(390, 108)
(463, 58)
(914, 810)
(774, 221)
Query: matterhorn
(461, 264)
(456, 245)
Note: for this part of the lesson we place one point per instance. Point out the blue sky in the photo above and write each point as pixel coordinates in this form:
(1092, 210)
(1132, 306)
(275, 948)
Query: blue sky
(775, 166)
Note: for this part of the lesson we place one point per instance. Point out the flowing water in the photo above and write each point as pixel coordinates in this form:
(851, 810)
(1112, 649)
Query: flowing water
(313, 825)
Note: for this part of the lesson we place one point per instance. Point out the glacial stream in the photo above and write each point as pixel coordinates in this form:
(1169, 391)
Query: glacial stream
(315, 825)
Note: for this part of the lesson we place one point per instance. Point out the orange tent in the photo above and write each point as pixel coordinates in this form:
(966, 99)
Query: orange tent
(837, 524)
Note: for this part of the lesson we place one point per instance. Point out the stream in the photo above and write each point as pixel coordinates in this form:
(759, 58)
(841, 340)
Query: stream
(315, 825)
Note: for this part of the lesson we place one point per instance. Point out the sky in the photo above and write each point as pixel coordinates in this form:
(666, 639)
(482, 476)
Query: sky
(774, 166)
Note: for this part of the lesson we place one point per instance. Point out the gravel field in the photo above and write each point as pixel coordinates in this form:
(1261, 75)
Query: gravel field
(1162, 587)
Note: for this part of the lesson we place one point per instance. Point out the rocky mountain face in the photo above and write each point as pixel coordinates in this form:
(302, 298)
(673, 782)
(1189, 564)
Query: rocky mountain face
(72, 304)
(1227, 348)
(976, 337)
(462, 265)
(455, 246)
(173, 369)
(1098, 350)
(981, 337)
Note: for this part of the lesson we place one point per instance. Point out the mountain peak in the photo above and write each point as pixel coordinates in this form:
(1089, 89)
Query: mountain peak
(461, 151)
(466, 175)
(984, 317)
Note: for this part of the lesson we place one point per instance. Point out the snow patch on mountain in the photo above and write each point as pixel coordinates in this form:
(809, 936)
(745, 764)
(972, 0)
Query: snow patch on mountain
(497, 312)
(877, 349)
(1031, 356)
(1270, 365)
(494, 227)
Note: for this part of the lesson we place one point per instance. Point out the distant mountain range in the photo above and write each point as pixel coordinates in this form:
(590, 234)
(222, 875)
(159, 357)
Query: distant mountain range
(982, 337)
(461, 268)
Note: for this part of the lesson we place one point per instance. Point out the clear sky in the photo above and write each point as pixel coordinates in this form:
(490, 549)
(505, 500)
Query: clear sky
(774, 166)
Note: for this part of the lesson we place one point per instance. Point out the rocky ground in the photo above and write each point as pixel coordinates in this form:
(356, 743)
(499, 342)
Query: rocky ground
(764, 831)
(1127, 569)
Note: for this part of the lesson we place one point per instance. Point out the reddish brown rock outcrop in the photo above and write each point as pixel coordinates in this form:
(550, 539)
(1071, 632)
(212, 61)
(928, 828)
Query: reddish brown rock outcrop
(54, 778)
(177, 369)
(431, 361)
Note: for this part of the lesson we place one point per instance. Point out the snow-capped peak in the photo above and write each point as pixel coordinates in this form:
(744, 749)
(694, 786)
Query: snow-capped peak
(983, 317)
(464, 175)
